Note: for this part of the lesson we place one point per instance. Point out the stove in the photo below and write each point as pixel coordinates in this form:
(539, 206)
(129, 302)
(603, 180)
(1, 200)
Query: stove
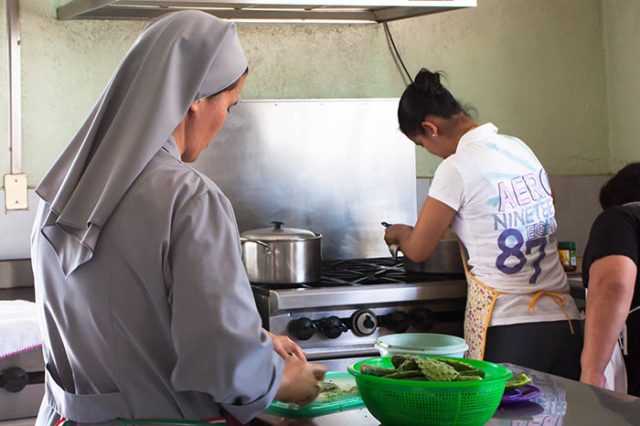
(22, 372)
(338, 319)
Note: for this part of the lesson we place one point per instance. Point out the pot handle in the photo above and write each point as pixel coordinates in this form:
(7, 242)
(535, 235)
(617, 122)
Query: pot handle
(267, 249)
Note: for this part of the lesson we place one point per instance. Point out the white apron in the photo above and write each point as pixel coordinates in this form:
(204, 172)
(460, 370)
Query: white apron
(615, 373)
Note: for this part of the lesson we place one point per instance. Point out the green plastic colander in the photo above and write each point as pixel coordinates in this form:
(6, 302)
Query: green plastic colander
(420, 403)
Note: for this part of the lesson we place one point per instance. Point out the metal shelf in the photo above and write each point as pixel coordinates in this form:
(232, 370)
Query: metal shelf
(337, 11)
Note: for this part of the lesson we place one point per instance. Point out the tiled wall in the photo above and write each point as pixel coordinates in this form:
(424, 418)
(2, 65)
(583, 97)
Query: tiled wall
(576, 201)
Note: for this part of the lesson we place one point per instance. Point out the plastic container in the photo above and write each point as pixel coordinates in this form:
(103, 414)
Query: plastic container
(421, 403)
(324, 404)
(567, 253)
(422, 344)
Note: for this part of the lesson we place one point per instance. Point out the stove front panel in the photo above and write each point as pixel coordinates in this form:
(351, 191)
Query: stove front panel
(351, 329)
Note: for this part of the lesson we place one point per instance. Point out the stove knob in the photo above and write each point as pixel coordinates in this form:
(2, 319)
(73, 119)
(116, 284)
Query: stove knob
(398, 321)
(302, 328)
(423, 319)
(332, 327)
(363, 322)
(15, 379)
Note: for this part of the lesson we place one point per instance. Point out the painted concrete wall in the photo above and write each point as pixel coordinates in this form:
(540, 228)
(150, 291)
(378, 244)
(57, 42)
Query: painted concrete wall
(622, 19)
(534, 68)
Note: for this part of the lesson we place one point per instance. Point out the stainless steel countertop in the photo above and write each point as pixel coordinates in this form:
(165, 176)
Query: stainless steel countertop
(564, 402)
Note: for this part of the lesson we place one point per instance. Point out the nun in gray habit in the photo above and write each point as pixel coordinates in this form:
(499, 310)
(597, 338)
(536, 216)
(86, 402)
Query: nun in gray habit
(146, 308)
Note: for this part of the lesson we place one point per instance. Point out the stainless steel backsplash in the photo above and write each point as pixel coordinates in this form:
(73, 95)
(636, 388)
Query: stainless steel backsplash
(337, 167)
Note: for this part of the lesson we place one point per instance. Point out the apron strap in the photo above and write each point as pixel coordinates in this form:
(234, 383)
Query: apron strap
(558, 298)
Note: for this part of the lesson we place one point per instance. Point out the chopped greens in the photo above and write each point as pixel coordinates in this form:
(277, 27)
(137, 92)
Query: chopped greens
(331, 391)
(431, 369)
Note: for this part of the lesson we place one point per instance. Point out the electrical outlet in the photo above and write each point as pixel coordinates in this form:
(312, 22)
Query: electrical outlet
(15, 192)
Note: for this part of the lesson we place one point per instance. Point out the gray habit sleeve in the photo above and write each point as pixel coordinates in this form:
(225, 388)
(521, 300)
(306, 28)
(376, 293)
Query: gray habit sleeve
(220, 345)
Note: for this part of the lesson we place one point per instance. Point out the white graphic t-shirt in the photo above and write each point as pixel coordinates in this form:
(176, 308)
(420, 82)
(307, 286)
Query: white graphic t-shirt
(506, 221)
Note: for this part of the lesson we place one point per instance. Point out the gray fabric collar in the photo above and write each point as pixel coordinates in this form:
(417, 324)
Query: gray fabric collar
(172, 148)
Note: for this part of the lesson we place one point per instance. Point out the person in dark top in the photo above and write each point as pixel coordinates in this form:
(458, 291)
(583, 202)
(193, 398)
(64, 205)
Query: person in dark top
(610, 269)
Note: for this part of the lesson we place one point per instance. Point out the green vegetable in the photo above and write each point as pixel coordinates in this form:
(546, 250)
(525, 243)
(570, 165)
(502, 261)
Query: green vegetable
(376, 371)
(458, 365)
(398, 360)
(328, 387)
(474, 372)
(331, 391)
(407, 374)
(466, 378)
(518, 380)
(410, 367)
(437, 371)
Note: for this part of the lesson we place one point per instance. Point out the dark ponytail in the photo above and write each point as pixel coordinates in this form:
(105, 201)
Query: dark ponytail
(425, 96)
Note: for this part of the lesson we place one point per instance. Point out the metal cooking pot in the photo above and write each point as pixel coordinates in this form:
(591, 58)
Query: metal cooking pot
(444, 260)
(280, 255)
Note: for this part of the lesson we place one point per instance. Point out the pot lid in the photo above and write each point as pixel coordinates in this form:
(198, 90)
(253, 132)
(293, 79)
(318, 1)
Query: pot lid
(279, 233)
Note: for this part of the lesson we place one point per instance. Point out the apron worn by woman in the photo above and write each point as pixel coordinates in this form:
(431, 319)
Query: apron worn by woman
(481, 299)
(615, 373)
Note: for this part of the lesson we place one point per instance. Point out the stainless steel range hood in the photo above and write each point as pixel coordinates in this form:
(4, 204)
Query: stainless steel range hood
(335, 11)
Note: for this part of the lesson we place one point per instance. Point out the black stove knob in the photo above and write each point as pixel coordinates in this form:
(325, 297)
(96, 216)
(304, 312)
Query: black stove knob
(332, 327)
(363, 322)
(397, 321)
(302, 328)
(423, 319)
(14, 379)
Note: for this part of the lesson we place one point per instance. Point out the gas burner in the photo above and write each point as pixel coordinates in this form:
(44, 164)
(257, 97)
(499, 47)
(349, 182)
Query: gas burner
(365, 272)
(381, 270)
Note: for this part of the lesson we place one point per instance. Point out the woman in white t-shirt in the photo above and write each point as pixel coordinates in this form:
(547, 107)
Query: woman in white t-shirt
(494, 193)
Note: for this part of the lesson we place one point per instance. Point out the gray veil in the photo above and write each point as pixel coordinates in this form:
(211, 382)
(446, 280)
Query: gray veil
(181, 57)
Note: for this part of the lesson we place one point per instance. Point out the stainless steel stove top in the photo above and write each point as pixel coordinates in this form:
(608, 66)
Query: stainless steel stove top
(357, 301)
(366, 272)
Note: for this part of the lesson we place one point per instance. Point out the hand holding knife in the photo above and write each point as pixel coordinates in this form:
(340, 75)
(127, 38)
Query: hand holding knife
(393, 248)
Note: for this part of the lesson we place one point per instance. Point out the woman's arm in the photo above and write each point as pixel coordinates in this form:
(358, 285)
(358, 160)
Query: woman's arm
(611, 285)
(419, 242)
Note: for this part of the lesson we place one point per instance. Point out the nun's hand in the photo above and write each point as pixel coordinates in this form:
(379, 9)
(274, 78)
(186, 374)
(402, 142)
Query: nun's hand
(301, 381)
(286, 347)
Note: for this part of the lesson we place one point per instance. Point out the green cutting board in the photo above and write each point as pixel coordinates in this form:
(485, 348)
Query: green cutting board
(326, 403)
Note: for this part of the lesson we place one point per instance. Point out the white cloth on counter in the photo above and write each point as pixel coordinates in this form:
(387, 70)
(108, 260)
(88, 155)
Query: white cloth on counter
(19, 328)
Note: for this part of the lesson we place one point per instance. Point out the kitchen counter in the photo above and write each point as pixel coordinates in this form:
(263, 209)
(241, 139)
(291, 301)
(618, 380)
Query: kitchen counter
(564, 402)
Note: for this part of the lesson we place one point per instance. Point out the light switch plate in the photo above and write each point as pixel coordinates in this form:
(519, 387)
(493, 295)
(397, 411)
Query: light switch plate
(15, 192)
